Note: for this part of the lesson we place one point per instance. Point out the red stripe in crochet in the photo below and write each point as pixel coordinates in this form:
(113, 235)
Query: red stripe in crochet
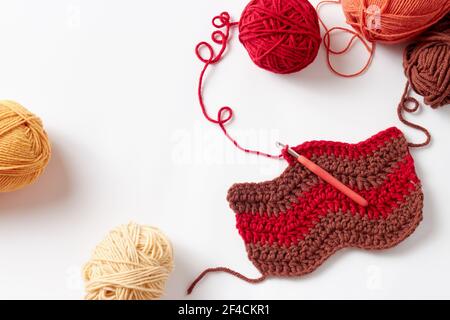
(291, 226)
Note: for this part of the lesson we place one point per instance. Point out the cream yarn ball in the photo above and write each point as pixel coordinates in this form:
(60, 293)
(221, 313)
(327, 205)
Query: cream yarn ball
(133, 262)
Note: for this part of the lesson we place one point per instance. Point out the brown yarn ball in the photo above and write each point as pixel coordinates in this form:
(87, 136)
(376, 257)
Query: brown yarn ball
(427, 65)
(24, 147)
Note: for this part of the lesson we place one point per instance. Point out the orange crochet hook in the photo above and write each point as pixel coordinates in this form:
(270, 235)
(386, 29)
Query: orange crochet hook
(326, 176)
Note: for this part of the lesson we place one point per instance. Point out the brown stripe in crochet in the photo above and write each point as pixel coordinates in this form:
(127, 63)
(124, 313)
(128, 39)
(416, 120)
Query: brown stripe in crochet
(334, 232)
(362, 174)
(320, 222)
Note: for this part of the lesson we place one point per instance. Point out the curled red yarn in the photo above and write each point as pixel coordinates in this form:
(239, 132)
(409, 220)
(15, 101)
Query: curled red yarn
(281, 36)
(220, 37)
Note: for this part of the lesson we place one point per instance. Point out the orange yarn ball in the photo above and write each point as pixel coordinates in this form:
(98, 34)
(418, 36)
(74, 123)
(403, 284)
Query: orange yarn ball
(393, 20)
(24, 147)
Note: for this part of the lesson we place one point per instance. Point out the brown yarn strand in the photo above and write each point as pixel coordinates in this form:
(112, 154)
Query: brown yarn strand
(404, 107)
(225, 270)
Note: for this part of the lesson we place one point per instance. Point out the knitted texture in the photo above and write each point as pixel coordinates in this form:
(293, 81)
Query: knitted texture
(393, 20)
(292, 224)
(281, 36)
(24, 147)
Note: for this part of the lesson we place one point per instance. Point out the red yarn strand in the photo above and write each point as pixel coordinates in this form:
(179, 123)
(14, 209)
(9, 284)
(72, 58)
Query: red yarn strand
(225, 114)
(225, 270)
(355, 35)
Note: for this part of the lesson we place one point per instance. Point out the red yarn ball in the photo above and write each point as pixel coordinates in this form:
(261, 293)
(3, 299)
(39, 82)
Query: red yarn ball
(282, 36)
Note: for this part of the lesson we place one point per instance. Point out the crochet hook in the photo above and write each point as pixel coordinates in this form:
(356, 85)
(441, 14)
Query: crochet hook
(326, 176)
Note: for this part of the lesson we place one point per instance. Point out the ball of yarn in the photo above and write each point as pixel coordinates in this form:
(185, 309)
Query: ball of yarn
(24, 147)
(281, 36)
(393, 20)
(427, 65)
(133, 262)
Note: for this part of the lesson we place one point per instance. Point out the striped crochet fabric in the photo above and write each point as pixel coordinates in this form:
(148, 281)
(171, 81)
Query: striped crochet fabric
(293, 223)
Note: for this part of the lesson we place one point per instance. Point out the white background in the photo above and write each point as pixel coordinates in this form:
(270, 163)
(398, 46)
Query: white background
(115, 83)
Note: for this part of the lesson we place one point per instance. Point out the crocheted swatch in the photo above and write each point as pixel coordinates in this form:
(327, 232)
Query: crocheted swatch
(292, 224)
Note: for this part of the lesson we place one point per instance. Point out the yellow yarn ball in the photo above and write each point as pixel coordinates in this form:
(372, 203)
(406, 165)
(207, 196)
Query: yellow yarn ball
(132, 263)
(24, 147)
